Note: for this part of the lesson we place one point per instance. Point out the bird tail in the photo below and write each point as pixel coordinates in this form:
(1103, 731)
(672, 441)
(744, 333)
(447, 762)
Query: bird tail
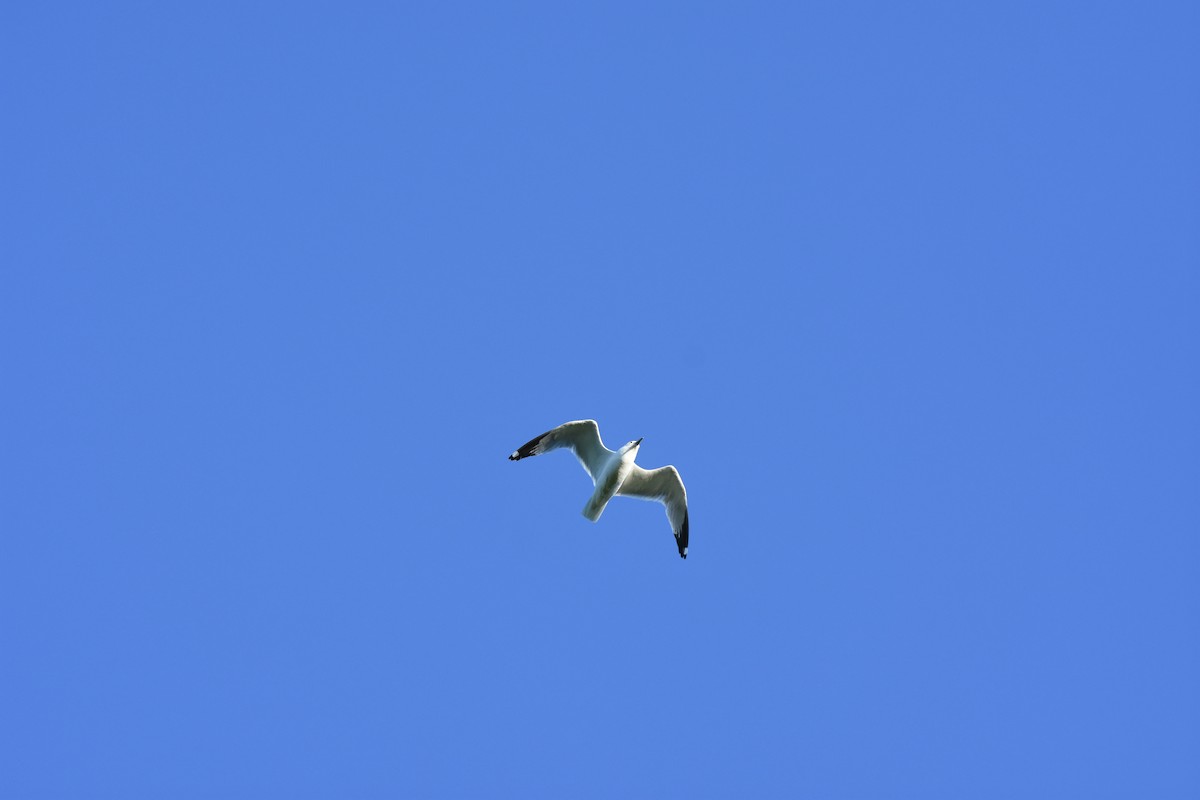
(594, 508)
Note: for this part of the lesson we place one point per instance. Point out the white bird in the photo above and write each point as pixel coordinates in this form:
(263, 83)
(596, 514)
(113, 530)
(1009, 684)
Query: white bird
(615, 473)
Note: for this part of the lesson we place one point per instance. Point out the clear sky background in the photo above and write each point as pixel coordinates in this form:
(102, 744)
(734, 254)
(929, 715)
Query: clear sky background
(909, 294)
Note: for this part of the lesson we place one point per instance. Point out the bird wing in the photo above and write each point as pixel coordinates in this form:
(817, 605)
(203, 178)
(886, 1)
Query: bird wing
(582, 436)
(662, 485)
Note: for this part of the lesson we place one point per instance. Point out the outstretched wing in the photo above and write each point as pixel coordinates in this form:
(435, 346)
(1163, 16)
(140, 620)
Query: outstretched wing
(582, 436)
(663, 485)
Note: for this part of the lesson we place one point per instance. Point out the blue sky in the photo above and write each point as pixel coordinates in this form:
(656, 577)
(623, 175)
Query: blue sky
(908, 293)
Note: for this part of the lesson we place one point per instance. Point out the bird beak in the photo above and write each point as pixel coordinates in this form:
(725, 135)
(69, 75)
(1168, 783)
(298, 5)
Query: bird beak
(638, 443)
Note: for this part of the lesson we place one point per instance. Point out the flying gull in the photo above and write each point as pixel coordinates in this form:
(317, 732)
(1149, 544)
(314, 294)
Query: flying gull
(615, 473)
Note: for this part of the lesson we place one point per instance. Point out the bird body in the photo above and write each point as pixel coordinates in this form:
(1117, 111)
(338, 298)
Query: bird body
(615, 473)
(616, 469)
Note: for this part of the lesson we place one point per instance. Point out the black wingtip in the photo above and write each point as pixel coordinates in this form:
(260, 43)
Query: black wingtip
(528, 449)
(681, 538)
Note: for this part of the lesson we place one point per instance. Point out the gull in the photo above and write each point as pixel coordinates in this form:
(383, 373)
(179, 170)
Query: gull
(615, 473)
